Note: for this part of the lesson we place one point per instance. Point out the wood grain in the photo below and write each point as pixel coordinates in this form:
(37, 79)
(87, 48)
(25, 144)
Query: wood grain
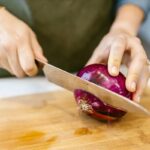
(51, 121)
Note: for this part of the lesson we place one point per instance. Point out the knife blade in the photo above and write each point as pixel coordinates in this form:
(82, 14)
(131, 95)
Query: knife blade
(72, 82)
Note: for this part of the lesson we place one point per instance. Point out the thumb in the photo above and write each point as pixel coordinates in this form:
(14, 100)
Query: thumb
(39, 55)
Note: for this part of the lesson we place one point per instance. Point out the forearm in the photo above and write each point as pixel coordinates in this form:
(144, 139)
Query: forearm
(129, 18)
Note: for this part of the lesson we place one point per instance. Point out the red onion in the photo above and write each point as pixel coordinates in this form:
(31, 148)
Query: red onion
(90, 104)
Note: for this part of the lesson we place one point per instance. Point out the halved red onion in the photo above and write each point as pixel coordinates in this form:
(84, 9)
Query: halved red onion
(90, 104)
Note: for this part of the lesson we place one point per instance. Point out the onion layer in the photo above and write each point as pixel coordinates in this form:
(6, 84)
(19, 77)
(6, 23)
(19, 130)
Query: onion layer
(90, 104)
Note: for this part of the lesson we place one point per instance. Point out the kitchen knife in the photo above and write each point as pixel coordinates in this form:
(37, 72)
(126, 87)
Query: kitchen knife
(72, 82)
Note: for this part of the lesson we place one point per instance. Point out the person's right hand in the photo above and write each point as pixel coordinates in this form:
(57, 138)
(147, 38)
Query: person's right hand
(18, 46)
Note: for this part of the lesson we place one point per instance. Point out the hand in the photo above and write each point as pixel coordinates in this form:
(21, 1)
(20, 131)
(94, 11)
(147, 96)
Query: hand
(120, 47)
(18, 46)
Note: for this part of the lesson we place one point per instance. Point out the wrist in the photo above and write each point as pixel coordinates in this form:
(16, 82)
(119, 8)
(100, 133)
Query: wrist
(123, 27)
(127, 21)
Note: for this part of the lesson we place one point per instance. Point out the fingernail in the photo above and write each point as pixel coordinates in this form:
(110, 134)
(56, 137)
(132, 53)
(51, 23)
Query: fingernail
(114, 70)
(133, 86)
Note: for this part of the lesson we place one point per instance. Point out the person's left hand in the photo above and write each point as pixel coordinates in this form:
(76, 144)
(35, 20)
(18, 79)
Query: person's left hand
(120, 47)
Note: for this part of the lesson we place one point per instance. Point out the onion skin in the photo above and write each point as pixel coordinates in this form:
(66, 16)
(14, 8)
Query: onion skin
(93, 106)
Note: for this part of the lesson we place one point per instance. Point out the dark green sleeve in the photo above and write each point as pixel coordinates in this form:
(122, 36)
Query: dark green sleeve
(19, 8)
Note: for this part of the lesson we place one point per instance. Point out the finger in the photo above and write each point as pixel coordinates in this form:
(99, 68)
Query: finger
(115, 57)
(141, 85)
(134, 72)
(137, 64)
(14, 64)
(37, 49)
(27, 58)
(100, 54)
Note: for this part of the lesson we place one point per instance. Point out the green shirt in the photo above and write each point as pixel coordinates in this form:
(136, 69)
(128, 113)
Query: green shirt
(69, 30)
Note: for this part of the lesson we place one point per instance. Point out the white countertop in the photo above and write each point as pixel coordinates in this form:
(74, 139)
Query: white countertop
(15, 87)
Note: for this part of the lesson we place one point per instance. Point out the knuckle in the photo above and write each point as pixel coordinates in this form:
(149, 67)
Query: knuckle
(119, 43)
(24, 30)
(8, 45)
(135, 40)
(121, 38)
(118, 46)
(18, 39)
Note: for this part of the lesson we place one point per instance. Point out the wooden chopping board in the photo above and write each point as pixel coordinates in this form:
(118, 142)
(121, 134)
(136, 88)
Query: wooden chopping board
(51, 121)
